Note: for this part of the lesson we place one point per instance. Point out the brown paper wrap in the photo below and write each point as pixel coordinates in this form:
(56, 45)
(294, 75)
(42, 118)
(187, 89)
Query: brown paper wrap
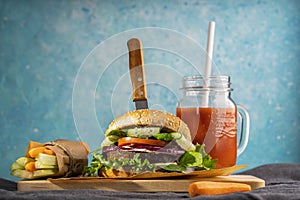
(71, 157)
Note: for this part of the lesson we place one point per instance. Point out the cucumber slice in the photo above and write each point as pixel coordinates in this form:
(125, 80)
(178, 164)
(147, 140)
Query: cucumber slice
(118, 133)
(183, 142)
(143, 131)
(46, 159)
(24, 160)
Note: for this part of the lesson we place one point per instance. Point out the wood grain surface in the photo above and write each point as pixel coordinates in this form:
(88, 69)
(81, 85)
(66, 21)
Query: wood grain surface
(132, 185)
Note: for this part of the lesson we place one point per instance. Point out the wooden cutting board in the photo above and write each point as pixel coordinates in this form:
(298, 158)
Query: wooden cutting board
(132, 185)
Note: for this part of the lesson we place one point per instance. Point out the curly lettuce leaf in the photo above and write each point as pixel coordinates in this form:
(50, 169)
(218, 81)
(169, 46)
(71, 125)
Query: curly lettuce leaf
(197, 159)
(191, 159)
(136, 164)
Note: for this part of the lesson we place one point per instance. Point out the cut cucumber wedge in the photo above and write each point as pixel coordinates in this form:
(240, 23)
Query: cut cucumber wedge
(44, 172)
(24, 160)
(15, 166)
(40, 165)
(22, 173)
(47, 159)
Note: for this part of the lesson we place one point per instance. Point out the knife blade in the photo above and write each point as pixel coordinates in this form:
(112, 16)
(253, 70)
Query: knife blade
(137, 74)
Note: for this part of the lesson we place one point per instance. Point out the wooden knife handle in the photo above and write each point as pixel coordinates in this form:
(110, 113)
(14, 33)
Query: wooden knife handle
(136, 66)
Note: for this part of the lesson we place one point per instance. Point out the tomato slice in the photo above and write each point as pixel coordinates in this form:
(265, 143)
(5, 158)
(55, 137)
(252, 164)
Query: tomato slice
(131, 141)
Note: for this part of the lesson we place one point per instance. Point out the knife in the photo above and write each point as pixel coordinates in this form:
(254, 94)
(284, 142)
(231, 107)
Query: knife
(137, 74)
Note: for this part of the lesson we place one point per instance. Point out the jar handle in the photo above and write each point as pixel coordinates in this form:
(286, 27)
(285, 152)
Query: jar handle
(245, 129)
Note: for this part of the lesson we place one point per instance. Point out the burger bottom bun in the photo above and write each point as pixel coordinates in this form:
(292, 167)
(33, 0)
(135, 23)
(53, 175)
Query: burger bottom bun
(112, 173)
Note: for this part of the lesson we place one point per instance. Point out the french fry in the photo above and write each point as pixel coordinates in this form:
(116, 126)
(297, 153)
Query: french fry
(216, 188)
(30, 166)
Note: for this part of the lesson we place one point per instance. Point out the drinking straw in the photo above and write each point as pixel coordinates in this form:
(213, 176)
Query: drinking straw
(209, 55)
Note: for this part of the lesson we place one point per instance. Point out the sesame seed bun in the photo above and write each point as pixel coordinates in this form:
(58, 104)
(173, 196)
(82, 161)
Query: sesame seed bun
(152, 118)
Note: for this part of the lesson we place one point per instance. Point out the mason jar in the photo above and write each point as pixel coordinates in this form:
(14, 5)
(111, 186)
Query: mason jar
(212, 117)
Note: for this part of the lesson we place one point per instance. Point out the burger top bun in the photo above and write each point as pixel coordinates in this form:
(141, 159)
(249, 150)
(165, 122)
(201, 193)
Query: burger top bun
(153, 118)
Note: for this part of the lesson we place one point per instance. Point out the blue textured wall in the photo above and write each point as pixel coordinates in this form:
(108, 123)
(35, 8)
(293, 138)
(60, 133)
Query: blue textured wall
(47, 46)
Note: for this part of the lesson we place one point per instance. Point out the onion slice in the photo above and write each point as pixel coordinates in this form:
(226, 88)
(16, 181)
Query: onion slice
(144, 148)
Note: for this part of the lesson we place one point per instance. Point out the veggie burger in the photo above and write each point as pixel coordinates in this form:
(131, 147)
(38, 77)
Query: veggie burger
(147, 141)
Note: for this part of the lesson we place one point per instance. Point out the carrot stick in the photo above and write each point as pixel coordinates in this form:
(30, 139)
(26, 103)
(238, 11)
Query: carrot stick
(30, 166)
(49, 152)
(32, 145)
(34, 152)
